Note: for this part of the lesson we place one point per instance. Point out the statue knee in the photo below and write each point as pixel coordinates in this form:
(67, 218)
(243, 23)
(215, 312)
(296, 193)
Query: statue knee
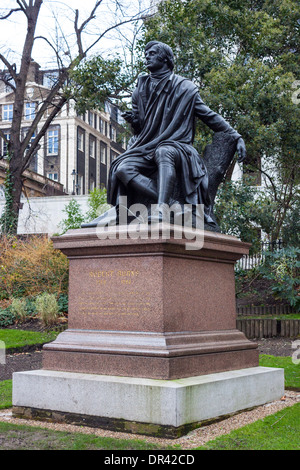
(165, 155)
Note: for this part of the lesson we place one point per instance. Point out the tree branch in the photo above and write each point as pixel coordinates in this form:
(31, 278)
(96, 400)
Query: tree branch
(78, 34)
(3, 136)
(10, 13)
(109, 29)
(22, 4)
(59, 61)
(91, 17)
(10, 67)
(269, 178)
(48, 101)
(7, 82)
(42, 132)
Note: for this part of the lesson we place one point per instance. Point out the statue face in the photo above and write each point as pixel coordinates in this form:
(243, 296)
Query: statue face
(154, 61)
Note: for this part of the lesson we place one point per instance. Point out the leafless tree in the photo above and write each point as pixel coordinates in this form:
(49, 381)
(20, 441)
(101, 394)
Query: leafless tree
(23, 145)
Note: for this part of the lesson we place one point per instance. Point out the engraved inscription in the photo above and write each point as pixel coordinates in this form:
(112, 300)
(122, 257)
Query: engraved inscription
(114, 292)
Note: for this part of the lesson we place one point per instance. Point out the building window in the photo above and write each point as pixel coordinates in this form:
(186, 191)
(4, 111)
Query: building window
(29, 111)
(113, 155)
(101, 125)
(52, 176)
(9, 89)
(50, 78)
(31, 140)
(92, 148)
(80, 141)
(113, 133)
(53, 141)
(103, 152)
(7, 114)
(91, 119)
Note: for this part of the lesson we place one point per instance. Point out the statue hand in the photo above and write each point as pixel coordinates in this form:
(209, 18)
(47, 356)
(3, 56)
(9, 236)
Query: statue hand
(241, 150)
(128, 116)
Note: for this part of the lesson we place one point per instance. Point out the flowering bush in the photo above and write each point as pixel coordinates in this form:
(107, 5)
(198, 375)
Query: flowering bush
(30, 267)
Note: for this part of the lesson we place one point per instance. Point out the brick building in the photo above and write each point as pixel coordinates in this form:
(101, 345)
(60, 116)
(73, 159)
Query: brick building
(76, 151)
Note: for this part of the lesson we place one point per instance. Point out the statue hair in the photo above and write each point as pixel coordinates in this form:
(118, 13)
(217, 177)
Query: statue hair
(165, 52)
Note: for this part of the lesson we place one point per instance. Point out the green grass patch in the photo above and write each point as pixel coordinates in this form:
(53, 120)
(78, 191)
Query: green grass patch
(279, 431)
(5, 394)
(291, 370)
(16, 437)
(17, 339)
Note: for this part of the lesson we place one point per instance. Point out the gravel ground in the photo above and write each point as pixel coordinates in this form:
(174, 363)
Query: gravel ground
(192, 440)
(198, 437)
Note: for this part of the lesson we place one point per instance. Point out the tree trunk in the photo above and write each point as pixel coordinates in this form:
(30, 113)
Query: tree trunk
(14, 180)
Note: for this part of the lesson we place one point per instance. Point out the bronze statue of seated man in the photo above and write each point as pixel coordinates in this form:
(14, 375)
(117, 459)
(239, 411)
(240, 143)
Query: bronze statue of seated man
(161, 166)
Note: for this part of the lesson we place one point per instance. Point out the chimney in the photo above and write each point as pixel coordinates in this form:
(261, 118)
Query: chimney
(33, 71)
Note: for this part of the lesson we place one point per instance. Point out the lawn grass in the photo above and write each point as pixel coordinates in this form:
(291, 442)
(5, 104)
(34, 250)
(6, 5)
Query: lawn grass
(18, 339)
(5, 394)
(276, 432)
(16, 437)
(279, 431)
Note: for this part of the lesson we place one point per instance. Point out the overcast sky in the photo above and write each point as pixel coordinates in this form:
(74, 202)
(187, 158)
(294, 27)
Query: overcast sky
(13, 29)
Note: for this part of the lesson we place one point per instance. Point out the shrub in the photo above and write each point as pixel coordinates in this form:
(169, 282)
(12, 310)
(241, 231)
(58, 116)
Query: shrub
(282, 268)
(47, 308)
(23, 308)
(97, 203)
(63, 303)
(74, 217)
(30, 267)
(7, 318)
(18, 308)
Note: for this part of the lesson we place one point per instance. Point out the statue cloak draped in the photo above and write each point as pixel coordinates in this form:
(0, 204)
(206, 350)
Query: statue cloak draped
(167, 117)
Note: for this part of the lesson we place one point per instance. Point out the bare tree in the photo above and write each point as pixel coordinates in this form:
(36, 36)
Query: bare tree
(23, 145)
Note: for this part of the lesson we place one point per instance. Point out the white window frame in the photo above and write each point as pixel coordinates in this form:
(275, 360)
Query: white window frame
(103, 153)
(113, 132)
(80, 140)
(91, 119)
(30, 109)
(101, 125)
(50, 78)
(53, 176)
(7, 112)
(52, 142)
(92, 148)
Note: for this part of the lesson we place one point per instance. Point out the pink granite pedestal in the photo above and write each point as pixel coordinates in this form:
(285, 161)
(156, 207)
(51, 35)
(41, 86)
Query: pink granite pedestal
(153, 308)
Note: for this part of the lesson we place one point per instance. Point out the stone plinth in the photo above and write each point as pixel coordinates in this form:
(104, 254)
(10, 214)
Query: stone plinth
(152, 345)
(155, 308)
(167, 408)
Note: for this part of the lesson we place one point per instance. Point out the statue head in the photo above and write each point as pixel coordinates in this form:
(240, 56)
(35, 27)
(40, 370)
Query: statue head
(165, 52)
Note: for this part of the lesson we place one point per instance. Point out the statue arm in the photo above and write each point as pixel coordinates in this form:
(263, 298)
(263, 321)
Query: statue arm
(218, 124)
(213, 120)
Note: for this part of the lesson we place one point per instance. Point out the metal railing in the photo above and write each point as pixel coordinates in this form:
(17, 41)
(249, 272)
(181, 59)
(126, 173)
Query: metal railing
(251, 261)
